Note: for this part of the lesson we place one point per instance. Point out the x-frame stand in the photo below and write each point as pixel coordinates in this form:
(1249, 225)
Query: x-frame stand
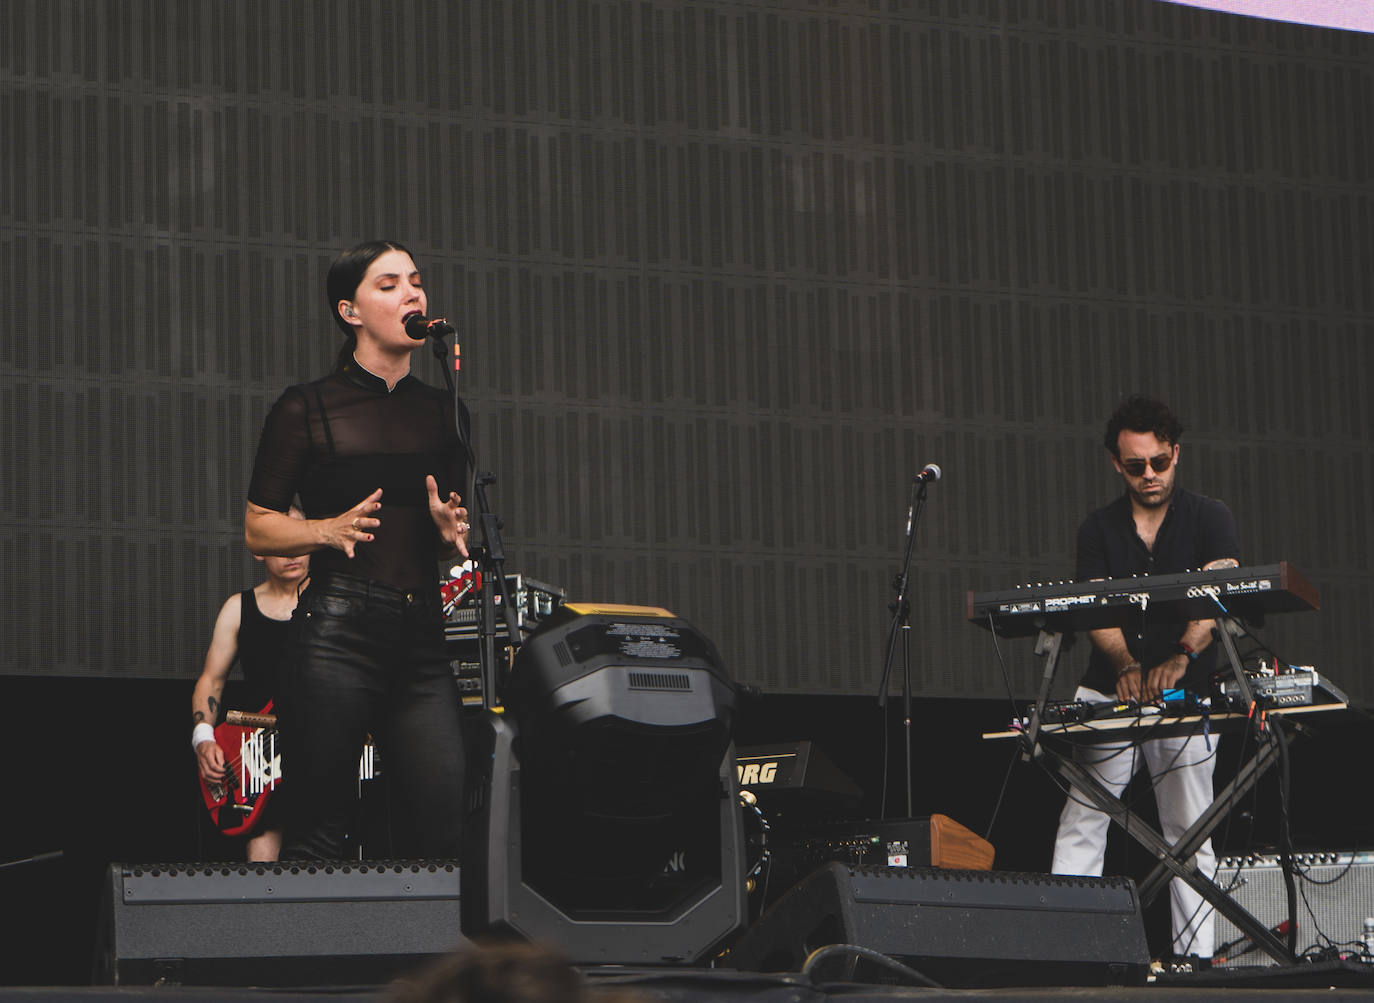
(1176, 860)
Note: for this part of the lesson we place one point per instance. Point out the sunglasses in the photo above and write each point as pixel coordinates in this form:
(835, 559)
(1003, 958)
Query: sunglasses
(1160, 463)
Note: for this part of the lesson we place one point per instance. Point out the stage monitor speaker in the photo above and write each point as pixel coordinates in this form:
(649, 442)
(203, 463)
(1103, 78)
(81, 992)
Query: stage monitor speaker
(288, 924)
(960, 928)
(1335, 893)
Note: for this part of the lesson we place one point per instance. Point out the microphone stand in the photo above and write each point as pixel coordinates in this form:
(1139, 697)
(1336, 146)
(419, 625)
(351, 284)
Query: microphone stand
(39, 858)
(492, 553)
(901, 625)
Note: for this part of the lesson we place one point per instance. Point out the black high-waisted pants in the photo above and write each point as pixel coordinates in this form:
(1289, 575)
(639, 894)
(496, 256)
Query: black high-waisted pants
(367, 657)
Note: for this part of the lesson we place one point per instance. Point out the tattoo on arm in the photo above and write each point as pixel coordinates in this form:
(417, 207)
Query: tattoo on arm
(214, 709)
(196, 717)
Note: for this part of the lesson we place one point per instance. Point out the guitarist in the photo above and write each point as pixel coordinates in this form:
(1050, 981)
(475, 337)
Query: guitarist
(251, 628)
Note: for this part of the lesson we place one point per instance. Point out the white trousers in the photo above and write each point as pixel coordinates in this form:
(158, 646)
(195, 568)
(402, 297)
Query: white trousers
(1181, 771)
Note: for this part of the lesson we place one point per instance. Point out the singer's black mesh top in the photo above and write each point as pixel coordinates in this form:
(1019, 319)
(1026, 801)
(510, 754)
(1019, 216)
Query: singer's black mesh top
(338, 439)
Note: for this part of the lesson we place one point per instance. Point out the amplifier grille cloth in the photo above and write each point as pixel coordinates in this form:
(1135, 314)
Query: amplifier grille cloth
(1333, 901)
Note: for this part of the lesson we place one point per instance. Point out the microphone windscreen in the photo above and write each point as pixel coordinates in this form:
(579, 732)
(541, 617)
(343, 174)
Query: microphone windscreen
(417, 326)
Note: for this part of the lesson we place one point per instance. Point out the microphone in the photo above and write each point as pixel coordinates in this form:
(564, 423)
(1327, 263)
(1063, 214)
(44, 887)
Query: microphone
(420, 327)
(931, 472)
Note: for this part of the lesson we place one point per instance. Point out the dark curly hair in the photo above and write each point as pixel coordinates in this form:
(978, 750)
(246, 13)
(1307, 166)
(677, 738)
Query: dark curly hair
(1142, 414)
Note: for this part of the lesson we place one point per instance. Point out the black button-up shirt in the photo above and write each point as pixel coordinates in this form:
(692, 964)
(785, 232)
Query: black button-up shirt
(1196, 530)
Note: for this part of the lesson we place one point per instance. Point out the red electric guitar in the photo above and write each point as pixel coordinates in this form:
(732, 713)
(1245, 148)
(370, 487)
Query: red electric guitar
(252, 765)
(455, 590)
(252, 768)
(251, 761)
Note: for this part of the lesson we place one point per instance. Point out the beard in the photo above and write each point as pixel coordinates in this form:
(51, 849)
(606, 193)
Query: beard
(1157, 499)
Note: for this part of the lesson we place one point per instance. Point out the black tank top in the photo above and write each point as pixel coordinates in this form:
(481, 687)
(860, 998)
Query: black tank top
(262, 641)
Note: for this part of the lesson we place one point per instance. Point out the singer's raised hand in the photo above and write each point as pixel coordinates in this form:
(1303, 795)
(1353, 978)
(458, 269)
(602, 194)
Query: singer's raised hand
(346, 530)
(449, 516)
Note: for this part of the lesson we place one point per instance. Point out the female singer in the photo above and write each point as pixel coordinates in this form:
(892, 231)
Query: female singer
(375, 458)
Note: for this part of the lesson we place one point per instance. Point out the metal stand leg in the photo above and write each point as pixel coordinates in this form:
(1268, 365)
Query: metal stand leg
(1177, 860)
(1049, 644)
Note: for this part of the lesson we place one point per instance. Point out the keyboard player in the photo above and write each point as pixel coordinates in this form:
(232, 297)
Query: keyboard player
(1154, 527)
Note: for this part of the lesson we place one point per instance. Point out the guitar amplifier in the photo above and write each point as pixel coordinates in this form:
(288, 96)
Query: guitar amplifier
(1335, 893)
(795, 777)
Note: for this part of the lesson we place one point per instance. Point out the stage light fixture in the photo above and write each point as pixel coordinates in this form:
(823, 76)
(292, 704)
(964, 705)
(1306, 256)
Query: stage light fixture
(610, 823)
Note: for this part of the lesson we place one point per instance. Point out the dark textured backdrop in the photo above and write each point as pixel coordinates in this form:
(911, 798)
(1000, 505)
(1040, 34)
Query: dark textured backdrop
(726, 274)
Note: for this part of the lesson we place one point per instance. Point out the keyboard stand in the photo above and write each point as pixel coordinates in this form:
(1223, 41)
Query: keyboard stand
(1176, 860)
(1049, 645)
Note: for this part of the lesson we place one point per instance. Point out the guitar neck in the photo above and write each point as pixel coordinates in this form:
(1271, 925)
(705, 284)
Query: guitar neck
(243, 719)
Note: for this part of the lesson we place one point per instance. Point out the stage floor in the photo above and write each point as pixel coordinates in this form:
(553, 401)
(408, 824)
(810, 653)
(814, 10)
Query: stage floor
(1331, 982)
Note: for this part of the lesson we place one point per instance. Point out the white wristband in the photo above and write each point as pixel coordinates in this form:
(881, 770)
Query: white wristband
(202, 733)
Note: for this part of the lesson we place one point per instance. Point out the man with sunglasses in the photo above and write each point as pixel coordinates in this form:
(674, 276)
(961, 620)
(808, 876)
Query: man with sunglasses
(1153, 528)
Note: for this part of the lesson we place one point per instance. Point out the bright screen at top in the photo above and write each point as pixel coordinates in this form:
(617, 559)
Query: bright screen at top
(1355, 15)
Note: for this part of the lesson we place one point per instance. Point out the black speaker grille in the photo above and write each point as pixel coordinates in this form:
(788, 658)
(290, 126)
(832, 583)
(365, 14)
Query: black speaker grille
(992, 889)
(289, 882)
(680, 681)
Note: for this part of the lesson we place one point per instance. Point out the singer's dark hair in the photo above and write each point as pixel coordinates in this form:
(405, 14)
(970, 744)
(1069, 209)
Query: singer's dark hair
(1142, 414)
(345, 275)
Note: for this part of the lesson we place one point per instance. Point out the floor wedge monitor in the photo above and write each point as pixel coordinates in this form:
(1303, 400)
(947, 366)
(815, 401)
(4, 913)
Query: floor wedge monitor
(959, 928)
(344, 923)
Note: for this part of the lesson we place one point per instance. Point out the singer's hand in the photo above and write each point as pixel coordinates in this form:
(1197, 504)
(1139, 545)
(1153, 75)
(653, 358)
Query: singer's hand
(210, 759)
(346, 530)
(449, 516)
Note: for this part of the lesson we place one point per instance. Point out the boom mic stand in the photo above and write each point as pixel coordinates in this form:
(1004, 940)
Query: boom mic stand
(39, 858)
(492, 553)
(901, 621)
